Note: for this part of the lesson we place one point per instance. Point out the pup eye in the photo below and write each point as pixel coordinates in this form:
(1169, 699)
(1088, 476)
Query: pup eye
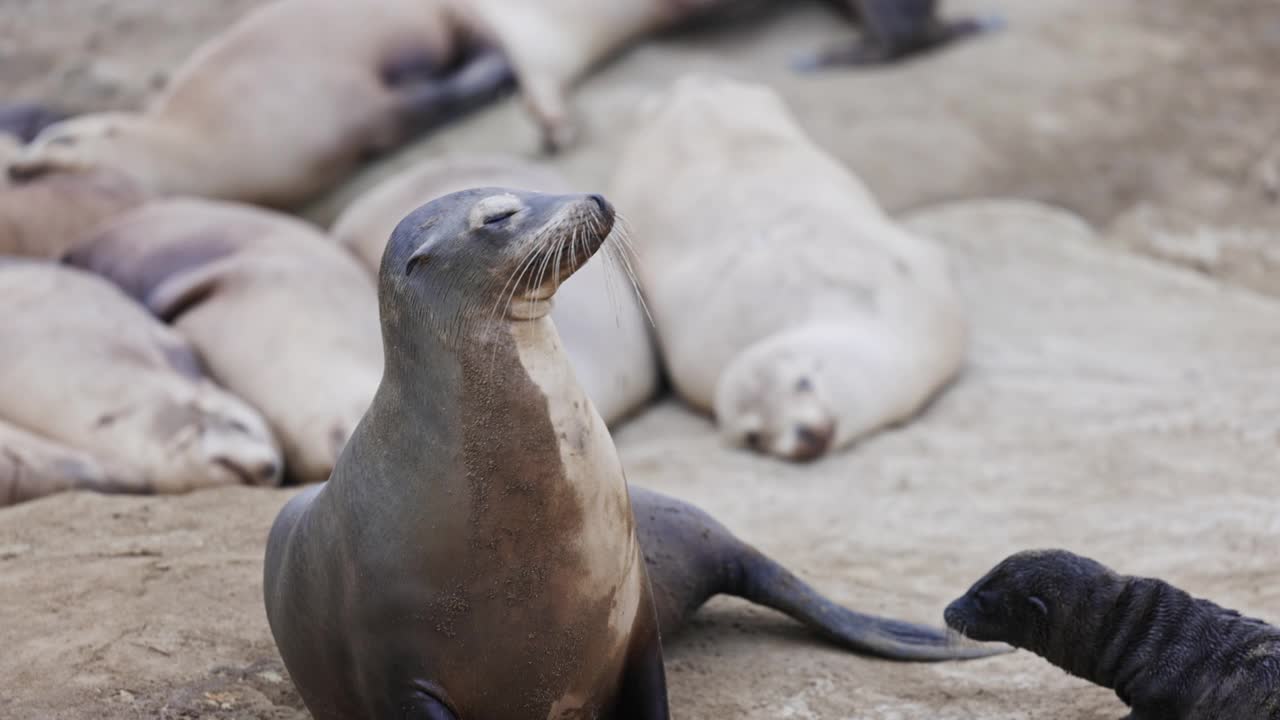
(498, 217)
(980, 604)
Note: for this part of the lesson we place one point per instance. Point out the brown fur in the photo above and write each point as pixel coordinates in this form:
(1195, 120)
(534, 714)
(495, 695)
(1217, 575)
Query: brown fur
(280, 106)
(82, 365)
(281, 316)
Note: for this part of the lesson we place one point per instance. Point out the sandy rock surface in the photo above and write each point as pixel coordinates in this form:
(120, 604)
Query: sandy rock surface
(1113, 403)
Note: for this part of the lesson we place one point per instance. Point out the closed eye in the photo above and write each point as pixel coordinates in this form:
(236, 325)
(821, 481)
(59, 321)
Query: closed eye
(498, 217)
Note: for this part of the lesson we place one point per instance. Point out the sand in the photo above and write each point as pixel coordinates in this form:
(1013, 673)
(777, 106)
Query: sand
(1116, 403)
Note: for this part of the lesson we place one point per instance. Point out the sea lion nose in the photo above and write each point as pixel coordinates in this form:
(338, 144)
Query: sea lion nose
(267, 472)
(813, 441)
(605, 206)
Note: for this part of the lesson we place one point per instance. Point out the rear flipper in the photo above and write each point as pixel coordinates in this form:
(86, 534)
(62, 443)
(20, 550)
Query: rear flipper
(25, 120)
(478, 81)
(692, 558)
(894, 30)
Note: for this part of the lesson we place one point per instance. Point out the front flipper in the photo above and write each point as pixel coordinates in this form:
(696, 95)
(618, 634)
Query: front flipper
(425, 708)
(643, 693)
(424, 105)
(893, 30)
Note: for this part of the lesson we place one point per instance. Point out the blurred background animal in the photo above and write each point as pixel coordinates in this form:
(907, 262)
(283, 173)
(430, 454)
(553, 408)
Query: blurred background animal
(83, 365)
(281, 315)
(786, 301)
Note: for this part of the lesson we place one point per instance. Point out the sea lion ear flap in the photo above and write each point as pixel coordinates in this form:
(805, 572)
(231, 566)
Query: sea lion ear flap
(1038, 605)
(181, 291)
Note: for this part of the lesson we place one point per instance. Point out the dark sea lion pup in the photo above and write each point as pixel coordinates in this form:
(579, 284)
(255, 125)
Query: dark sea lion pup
(1168, 656)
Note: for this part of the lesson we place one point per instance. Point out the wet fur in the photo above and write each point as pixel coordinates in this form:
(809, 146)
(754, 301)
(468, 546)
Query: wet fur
(281, 316)
(1168, 655)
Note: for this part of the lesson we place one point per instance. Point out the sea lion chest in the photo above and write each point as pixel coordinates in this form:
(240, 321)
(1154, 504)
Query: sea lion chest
(523, 577)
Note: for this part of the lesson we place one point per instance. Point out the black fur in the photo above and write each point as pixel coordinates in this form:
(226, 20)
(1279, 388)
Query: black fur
(1166, 654)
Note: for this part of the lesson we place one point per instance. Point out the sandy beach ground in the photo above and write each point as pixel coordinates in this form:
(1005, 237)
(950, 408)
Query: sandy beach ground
(1120, 397)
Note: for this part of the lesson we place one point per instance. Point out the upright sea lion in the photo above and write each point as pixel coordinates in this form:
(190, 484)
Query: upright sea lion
(785, 299)
(32, 467)
(1167, 655)
(84, 366)
(285, 102)
(474, 554)
(281, 316)
(893, 30)
(597, 311)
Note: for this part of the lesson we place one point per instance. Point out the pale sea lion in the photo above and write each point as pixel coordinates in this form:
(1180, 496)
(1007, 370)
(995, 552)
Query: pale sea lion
(474, 554)
(785, 300)
(48, 216)
(84, 366)
(32, 467)
(285, 102)
(281, 316)
(1169, 656)
(597, 311)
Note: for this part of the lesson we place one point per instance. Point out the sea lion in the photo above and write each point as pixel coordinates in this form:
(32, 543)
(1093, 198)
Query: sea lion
(285, 102)
(84, 366)
(552, 43)
(32, 467)
(280, 315)
(894, 30)
(474, 553)
(1167, 655)
(785, 300)
(597, 311)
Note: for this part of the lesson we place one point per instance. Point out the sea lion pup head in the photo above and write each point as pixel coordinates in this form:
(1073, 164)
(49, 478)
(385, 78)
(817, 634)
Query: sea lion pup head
(507, 249)
(776, 397)
(1029, 597)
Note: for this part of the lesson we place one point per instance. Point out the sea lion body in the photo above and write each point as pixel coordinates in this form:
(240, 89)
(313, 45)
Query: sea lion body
(552, 43)
(281, 316)
(786, 301)
(596, 311)
(82, 365)
(284, 103)
(474, 553)
(32, 466)
(1168, 655)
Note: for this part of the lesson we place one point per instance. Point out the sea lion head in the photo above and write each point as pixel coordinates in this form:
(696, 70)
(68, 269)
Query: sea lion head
(775, 398)
(115, 141)
(1024, 597)
(487, 254)
(202, 436)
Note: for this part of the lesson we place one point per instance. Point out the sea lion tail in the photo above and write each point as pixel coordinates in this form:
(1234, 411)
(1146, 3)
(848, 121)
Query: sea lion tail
(764, 582)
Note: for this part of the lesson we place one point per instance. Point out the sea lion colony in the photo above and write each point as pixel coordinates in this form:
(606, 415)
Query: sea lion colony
(200, 341)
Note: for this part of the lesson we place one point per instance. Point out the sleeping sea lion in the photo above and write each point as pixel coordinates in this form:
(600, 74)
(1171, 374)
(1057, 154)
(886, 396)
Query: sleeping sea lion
(1169, 656)
(32, 467)
(597, 311)
(474, 554)
(280, 315)
(786, 301)
(285, 103)
(84, 366)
